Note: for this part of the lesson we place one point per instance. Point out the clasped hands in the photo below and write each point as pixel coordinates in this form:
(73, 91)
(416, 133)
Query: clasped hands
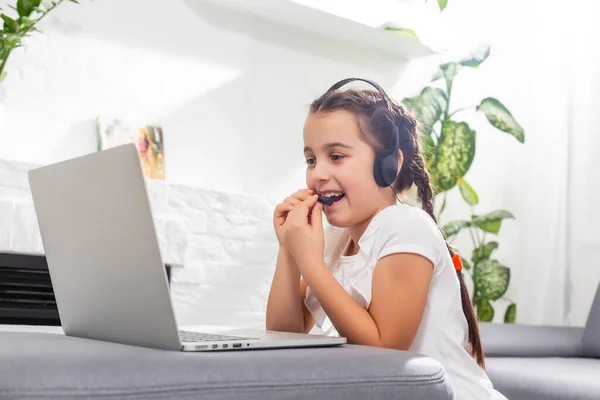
(298, 223)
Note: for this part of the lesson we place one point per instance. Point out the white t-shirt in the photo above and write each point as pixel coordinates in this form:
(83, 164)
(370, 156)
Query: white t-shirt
(443, 332)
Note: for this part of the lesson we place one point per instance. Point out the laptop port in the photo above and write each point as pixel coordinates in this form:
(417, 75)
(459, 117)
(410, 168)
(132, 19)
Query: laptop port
(215, 346)
(237, 345)
(225, 346)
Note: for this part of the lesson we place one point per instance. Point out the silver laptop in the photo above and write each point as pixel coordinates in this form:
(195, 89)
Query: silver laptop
(104, 261)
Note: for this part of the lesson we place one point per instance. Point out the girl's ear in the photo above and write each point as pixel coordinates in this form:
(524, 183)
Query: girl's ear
(400, 161)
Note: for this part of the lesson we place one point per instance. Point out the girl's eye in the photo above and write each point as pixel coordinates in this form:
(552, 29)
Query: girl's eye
(334, 158)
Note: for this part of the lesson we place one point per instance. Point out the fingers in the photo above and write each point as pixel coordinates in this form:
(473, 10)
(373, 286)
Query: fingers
(311, 200)
(282, 209)
(294, 201)
(307, 204)
(316, 216)
(298, 196)
(304, 208)
(303, 194)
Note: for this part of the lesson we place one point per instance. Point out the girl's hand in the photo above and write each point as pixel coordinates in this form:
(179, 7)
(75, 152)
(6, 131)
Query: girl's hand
(282, 210)
(304, 237)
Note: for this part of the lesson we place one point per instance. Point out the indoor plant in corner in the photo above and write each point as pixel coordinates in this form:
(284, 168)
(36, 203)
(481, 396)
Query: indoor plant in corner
(20, 23)
(449, 147)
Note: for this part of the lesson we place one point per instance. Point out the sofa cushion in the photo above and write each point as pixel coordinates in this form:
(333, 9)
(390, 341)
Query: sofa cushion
(545, 378)
(512, 340)
(51, 366)
(590, 345)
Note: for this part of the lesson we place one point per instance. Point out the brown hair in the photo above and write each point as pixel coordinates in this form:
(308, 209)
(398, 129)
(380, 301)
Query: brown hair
(366, 105)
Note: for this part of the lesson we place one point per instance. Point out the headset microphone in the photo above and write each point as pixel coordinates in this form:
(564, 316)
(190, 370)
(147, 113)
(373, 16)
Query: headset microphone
(325, 200)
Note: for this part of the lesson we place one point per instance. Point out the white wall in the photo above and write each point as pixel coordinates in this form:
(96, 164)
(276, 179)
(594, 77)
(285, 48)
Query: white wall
(232, 98)
(231, 92)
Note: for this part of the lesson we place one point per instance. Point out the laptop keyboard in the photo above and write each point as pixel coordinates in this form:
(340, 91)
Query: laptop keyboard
(187, 336)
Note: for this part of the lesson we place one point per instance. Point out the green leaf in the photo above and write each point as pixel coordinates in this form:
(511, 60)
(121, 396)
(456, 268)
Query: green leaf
(483, 252)
(477, 57)
(452, 228)
(12, 40)
(402, 31)
(2, 76)
(26, 7)
(491, 279)
(468, 193)
(485, 311)
(443, 207)
(473, 59)
(428, 107)
(501, 118)
(465, 263)
(454, 155)
(27, 22)
(442, 4)
(492, 221)
(10, 25)
(511, 314)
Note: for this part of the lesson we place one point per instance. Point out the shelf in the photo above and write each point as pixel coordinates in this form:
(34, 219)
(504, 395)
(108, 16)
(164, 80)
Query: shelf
(293, 14)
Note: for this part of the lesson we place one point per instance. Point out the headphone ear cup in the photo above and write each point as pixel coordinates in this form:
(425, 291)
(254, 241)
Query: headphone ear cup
(385, 168)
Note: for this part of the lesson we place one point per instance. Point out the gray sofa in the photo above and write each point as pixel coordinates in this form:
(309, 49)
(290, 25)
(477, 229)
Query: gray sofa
(545, 362)
(54, 366)
(523, 362)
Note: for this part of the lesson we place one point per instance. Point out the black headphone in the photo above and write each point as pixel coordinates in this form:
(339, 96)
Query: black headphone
(385, 167)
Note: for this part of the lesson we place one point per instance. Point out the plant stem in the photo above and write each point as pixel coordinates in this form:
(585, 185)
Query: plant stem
(3, 64)
(437, 137)
(29, 29)
(459, 110)
(43, 15)
(449, 91)
(472, 237)
(439, 216)
(474, 231)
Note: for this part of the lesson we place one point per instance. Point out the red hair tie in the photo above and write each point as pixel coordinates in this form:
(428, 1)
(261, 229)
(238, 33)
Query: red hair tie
(457, 262)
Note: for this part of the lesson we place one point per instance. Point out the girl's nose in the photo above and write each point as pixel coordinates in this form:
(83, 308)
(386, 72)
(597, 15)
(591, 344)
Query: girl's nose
(321, 172)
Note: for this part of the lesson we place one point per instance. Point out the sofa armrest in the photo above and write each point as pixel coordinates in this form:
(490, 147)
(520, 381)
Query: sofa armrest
(513, 340)
(53, 366)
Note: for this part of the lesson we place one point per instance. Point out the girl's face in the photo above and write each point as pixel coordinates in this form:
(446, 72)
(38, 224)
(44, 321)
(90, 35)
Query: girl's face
(340, 163)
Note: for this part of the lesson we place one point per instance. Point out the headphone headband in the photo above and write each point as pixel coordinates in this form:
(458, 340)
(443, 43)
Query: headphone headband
(374, 84)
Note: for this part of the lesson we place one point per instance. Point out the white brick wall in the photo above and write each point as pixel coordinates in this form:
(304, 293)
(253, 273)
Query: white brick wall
(230, 256)
(222, 244)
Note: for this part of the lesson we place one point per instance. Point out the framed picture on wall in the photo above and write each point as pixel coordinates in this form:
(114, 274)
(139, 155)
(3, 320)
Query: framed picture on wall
(148, 139)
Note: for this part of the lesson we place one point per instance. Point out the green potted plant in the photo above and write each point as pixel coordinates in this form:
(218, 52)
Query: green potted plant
(449, 147)
(28, 14)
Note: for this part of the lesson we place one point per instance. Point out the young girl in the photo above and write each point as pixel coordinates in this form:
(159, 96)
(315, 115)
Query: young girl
(382, 273)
